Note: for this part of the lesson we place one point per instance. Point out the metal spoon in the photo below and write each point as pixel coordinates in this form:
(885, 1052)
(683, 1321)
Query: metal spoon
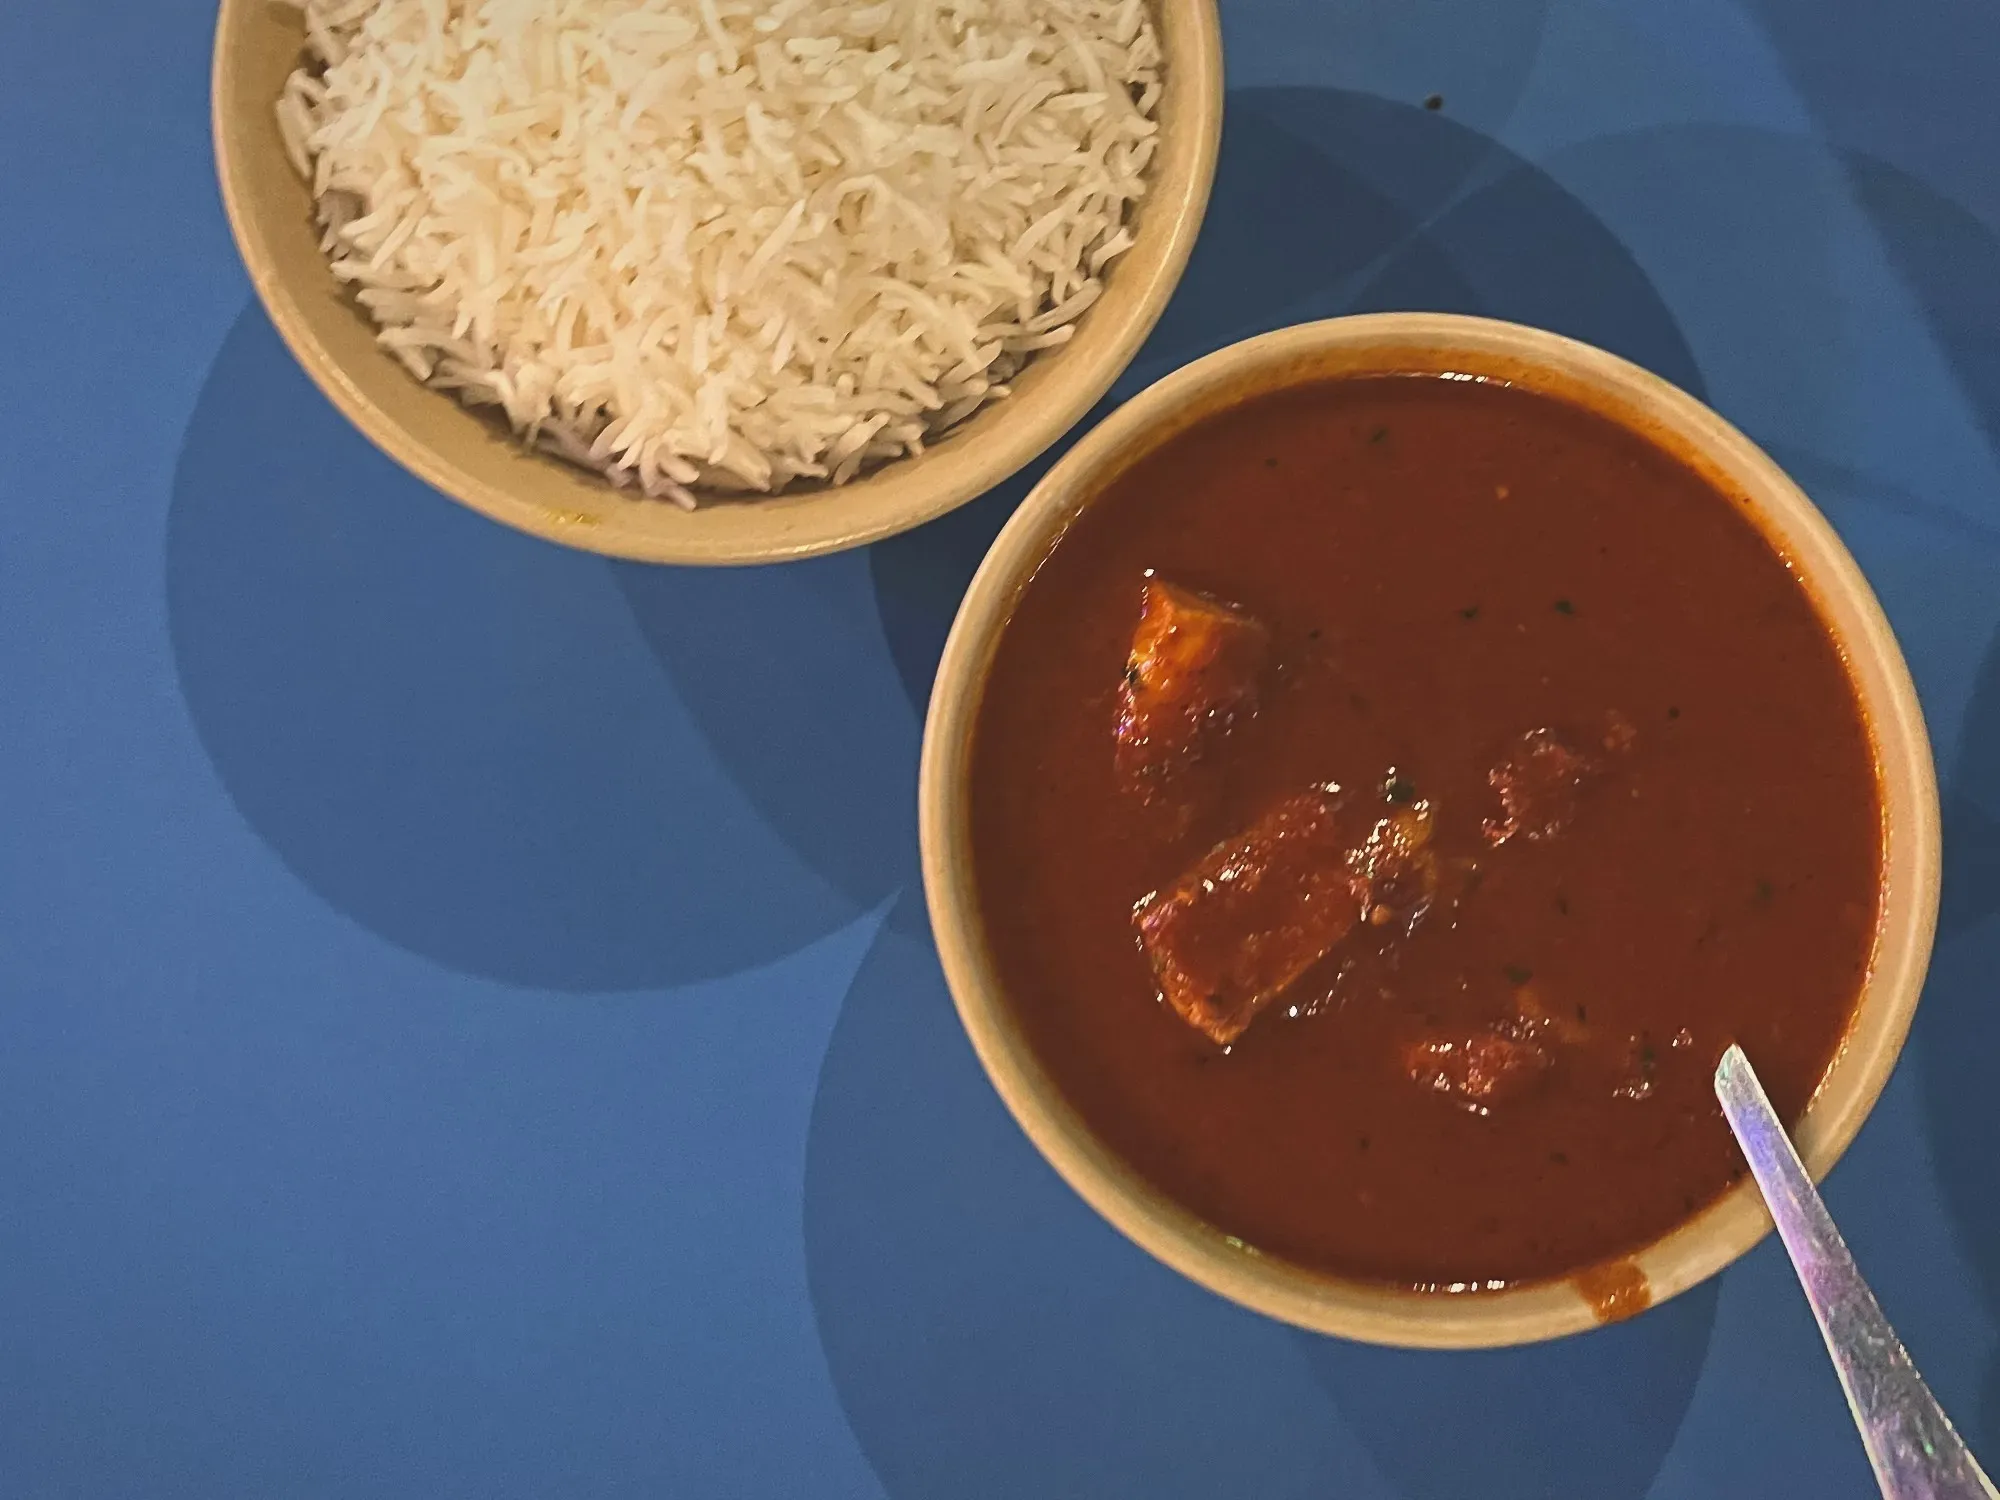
(1915, 1452)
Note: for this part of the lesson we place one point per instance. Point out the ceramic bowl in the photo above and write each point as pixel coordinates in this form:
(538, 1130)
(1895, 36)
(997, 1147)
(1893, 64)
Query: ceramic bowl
(470, 457)
(1411, 342)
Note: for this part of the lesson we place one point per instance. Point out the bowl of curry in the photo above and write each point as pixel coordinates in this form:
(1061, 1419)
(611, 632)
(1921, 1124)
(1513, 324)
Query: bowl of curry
(1370, 781)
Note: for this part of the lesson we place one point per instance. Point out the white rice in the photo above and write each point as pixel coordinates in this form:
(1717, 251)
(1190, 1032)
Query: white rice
(722, 244)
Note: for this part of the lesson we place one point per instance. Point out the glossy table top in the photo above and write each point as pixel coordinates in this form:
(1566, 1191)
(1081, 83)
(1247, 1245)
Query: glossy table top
(469, 1026)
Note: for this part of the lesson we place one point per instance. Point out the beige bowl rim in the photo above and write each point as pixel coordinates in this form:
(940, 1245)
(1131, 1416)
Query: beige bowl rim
(257, 42)
(1423, 342)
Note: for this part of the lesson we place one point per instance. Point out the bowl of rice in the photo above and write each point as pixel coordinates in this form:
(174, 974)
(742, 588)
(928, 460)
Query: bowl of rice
(715, 281)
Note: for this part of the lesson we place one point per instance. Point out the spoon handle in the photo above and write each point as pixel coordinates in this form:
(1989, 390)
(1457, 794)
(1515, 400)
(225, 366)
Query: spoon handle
(1916, 1453)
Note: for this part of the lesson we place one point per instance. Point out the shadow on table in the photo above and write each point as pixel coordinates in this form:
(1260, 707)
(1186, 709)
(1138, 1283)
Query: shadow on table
(785, 674)
(448, 731)
(1949, 260)
(1957, 1030)
(1910, 84)
(1526, 1424)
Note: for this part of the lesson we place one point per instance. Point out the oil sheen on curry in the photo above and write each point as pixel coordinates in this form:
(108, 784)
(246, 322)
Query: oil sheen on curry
(1389, 798)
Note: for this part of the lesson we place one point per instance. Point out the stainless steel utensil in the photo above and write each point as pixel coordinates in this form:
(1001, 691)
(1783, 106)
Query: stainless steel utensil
(1916, 1453)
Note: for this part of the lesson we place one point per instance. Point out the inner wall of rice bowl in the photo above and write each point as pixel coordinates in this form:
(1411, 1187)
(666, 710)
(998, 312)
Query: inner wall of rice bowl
(726, 248)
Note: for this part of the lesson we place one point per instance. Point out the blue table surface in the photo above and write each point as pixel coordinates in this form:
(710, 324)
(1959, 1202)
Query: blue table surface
(469, 1027)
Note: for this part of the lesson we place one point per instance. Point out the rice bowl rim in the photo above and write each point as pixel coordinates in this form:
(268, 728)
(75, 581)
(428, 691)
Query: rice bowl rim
(470, 457)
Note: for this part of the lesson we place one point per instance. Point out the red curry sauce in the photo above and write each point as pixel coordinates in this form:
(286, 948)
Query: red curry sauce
(1420, 575)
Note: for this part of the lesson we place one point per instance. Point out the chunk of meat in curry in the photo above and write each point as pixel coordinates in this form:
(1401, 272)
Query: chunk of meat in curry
(1257, 912)
(1191, 674)
(1262, 908)
(1480, 1069)
(1397, 867)
(1542, 780)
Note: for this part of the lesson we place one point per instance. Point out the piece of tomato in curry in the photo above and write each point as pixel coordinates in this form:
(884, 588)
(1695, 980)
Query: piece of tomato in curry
(1510, 775)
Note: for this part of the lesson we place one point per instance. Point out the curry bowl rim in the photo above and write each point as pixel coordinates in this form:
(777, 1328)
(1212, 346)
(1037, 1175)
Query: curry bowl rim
(1402, 343)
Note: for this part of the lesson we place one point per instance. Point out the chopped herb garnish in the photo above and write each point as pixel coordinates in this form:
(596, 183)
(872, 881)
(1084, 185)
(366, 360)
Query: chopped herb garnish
(1517, 975)
(1399, 789)
(1470, 612)
(1378, 435)
(1564, 607)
